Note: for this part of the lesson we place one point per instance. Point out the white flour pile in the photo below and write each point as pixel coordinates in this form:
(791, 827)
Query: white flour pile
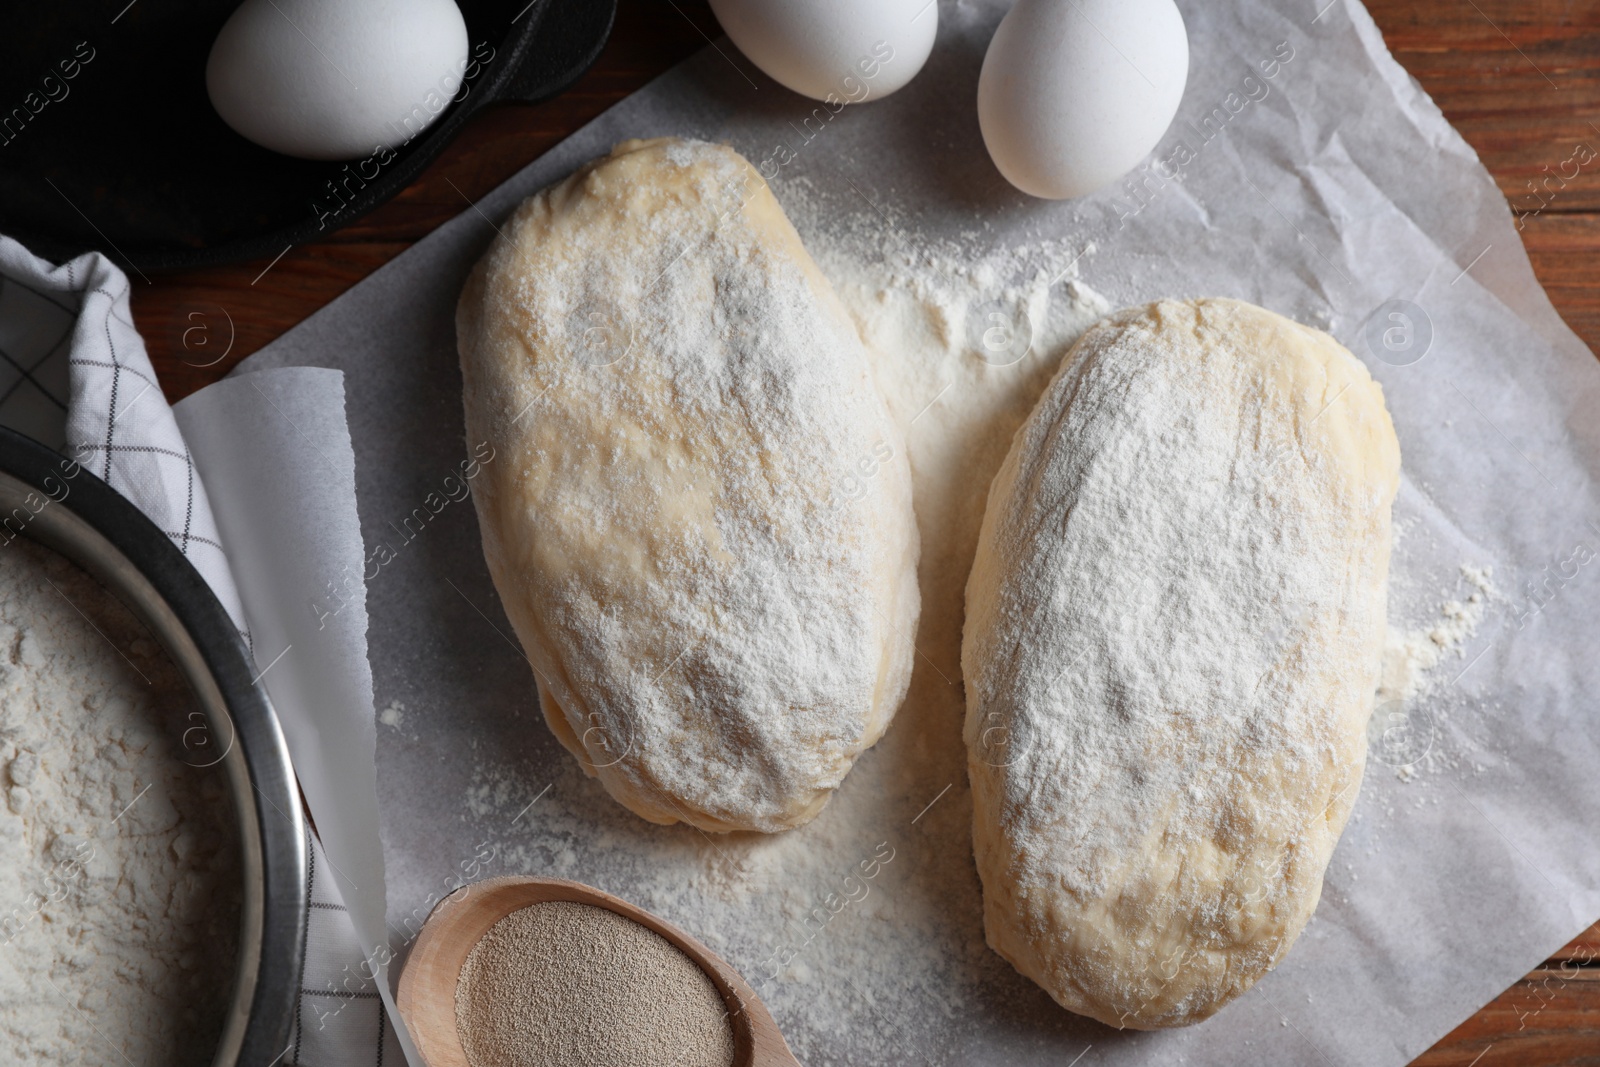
(119, 869)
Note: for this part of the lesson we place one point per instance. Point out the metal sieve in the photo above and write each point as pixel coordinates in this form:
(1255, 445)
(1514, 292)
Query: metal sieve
(52, 500)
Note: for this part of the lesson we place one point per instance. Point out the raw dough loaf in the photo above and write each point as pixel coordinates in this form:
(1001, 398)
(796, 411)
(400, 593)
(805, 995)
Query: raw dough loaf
(1173, 632)
(699, 512)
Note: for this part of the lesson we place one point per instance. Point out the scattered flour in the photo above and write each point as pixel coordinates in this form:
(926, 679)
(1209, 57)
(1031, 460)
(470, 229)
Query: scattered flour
(119, 870)
(1417, 698)
(1411, 656)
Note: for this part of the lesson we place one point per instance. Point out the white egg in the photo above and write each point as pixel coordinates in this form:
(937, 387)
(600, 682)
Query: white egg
(1074, 93)
(336, 79)
(851, 50)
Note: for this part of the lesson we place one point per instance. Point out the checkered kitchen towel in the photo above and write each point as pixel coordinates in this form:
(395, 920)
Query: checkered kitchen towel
(340, 1020)
(74, 375)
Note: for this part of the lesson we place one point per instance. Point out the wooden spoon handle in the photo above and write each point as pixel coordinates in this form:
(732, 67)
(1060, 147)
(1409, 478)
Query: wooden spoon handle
(767, 1046)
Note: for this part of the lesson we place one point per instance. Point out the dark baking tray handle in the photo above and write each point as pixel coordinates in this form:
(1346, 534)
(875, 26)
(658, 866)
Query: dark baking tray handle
(569, 38)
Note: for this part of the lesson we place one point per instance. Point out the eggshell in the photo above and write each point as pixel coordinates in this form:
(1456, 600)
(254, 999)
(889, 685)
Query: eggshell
(1074, 93)
(336, 80)
(853, 50)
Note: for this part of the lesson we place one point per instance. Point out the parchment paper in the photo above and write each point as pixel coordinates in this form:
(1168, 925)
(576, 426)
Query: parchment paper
(1338, 190)
(273, 449)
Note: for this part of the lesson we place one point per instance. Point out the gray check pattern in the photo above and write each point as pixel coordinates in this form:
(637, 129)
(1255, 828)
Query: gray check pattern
(74, 375)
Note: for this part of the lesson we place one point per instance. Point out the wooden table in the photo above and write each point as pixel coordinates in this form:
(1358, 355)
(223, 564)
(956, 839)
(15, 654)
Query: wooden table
(1519, 78)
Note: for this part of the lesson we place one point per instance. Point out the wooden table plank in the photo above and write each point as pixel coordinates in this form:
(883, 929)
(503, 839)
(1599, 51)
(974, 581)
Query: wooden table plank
(1565, 252)
(1583, 949)
(1520, 80)
(198, 324)
(1550, 1017)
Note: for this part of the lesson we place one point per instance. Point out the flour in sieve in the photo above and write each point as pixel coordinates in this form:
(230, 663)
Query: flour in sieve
(119, 869)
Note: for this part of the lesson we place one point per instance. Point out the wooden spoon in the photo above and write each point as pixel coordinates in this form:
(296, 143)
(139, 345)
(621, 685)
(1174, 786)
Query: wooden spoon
(427, 997)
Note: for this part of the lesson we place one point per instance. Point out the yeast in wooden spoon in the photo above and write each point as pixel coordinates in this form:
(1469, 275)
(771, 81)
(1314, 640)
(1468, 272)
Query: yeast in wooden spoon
(518, 972)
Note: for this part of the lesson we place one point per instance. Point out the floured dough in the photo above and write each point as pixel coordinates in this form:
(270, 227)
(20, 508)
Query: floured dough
(1173, 632)
(699, 512)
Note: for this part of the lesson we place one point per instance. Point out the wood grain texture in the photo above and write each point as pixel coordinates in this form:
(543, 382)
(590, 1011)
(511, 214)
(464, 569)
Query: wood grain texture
(1519, 78)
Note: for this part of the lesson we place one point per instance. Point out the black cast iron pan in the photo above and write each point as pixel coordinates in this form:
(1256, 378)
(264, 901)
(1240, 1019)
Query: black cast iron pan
(109, 142)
